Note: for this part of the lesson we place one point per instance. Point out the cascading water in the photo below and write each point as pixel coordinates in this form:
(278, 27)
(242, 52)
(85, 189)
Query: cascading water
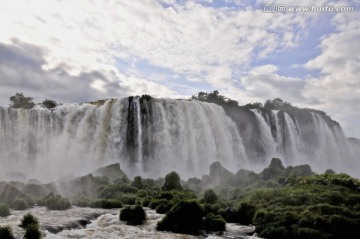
(151, 137)
(278, 132)
(293, 140)
(324, 146)
(266, 139)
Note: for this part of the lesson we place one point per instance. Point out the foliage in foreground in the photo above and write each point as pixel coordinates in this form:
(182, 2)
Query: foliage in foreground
(185, 217)
(133, 215)
(32, 231)
(31, 225)
(213, 222)
(6, 233)
(189, 217)
(321, 206)
(28, 219)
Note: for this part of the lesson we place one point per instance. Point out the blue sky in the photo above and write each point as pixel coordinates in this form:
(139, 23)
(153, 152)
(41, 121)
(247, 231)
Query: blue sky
(85, 50)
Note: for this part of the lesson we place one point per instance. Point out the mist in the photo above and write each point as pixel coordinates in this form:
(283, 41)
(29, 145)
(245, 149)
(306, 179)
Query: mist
(150, 137)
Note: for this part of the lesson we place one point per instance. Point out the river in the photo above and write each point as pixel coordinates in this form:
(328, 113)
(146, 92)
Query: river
(105, 224)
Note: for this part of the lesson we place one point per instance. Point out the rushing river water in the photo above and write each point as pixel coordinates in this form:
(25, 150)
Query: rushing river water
(105, 224)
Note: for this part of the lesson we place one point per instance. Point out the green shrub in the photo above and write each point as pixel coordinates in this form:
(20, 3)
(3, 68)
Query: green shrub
(146, 202)
(156, 202)
(166, 195)
(82, 202)
(19, 204)
(6, 233)
(106, 203)
(213, 222)
(274, 232)
(4, 210)
(163, 208)
(57, 202)
(133, 215)
(210, 196)
(128, 199)
(142, 193)
(32, 232)
(308, 233)
(172, 182)
(246, 213)
(137, 183)
(184, 217)
(229, 214)
(28, 219)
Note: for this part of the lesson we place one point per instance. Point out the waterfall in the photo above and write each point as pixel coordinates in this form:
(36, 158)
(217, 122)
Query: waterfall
(149, 137)
(267, 141)
(278, 134)
(152, 137)
(292, 139)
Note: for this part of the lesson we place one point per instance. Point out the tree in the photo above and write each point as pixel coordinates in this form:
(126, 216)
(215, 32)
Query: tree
(20, 101)
(137, 183)
(133, 215)
(49, 104)
(184, 217)
(172, 182)
(210, 196)
(6, 233)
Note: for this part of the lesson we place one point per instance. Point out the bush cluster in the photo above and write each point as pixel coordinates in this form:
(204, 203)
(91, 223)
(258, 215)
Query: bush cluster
(133, 215)
(31, 225)
(320, 206)
(6, 233)
(106, 203)
(56, 202)
(19, 204)
(4, 210)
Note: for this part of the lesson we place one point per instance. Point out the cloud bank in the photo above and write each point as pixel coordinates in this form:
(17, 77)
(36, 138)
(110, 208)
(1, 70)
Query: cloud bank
(86, 50)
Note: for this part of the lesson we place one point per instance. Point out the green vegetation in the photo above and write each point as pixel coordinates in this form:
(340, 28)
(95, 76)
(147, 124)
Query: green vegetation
(213, 222)
(6, 233)
(133, 215)
(106, 203)
(172, 182)
(137, 183)
(19, 204)
(4, 210)
(282, 202)
(319, 206)
(210, 196)
(246, 212)
(216, 98)
(32, 232)
(31, 225)
(54, 202)
(20, 101)
(49, 104)
(28, 219)
(184, 217)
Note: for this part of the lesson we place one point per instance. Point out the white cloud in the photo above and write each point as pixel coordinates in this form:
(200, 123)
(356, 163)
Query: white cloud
(264, 81)
(187, 38)
(337, 89)
(70, 50)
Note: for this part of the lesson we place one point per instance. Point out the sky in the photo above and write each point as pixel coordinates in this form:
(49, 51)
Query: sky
(84, 50)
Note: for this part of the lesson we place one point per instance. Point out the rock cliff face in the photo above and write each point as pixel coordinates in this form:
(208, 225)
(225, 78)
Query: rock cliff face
(151, 137)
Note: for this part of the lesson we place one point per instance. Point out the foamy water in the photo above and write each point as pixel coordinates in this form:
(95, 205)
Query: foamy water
(107, 225)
